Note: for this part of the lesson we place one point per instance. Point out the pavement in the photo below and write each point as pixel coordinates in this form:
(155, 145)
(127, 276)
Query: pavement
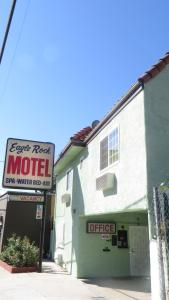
(55, 284)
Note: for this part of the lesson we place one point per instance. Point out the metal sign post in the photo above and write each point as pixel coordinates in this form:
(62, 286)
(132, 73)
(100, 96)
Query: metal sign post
(42, 233)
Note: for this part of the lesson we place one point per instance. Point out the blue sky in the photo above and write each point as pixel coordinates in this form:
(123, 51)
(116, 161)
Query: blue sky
(68, 61)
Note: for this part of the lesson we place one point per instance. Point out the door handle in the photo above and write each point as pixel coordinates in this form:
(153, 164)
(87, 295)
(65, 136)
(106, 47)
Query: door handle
(132, 251)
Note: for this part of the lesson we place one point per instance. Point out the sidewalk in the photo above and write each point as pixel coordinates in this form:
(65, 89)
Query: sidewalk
(55, 284)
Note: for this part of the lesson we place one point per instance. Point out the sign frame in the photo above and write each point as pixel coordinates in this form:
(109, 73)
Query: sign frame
(101, 223)
(29, 187)
(105, 236)
(26, 197)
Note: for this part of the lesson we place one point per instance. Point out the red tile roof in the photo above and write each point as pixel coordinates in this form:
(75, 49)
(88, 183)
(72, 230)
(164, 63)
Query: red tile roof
(155, 69)
(76, 140)
(82, 134)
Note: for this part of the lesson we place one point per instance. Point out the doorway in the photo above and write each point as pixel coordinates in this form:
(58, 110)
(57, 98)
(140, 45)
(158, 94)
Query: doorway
(139, 251)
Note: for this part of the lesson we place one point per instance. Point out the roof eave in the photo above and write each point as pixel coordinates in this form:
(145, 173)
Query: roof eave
(69, 153)
(155, 69)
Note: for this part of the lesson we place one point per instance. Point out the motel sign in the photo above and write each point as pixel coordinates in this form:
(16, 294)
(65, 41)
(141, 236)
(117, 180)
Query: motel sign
(28, 164)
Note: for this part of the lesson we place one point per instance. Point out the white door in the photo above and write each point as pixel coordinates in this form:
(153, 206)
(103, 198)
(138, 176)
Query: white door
(139, 251)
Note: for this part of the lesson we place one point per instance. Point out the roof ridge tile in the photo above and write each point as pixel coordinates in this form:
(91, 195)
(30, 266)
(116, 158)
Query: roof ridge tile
(155, 69)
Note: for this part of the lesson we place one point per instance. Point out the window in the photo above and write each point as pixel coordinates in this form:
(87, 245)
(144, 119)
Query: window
(113, 146)
(69, 178)
(109, 149)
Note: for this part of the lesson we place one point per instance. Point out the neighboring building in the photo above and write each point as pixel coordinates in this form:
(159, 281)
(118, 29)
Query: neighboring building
(105, 180)
(21, 213)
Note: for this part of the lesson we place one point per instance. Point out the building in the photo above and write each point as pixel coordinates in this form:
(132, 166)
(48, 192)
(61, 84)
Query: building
(105, 180)
(21, 213)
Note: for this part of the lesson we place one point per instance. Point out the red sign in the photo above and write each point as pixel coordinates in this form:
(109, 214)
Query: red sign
(28, 165)
(93, 227)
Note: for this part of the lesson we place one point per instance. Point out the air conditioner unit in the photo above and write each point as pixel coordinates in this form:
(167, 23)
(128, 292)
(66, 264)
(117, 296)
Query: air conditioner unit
(105, 182)
(66, 198)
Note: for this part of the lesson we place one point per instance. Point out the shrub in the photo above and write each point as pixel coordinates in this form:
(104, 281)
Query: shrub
(20, 252)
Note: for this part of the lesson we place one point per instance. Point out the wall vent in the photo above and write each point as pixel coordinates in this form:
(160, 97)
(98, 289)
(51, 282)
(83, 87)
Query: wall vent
(105, 182)
(66, 198)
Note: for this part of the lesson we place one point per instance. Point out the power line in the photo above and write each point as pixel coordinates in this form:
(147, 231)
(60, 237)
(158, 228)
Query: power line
(7, 29)
(15, 50)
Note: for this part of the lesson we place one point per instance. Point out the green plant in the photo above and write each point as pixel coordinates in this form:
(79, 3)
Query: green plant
(20, 252)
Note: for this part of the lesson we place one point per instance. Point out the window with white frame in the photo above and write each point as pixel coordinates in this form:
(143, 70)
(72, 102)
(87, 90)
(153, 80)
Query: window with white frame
(109, 149)
(69, 179)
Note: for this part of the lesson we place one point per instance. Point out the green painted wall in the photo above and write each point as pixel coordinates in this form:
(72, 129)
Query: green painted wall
(156, 93)
(92, 260)
(67, 216)
(156, 103)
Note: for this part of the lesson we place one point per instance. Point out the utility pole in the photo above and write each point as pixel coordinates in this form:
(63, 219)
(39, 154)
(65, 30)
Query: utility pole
(7, 29)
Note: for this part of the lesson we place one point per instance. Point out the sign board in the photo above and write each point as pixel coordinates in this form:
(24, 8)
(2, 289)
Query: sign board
(28, 165)
(39, 211)
(27, 198)
(105, 236)
(94, 227)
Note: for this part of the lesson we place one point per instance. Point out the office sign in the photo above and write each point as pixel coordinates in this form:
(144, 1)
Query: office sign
(28, 165)
(98, 227)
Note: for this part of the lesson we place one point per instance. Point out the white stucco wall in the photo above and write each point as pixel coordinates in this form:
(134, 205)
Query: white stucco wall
(130, 171)
(157, 128)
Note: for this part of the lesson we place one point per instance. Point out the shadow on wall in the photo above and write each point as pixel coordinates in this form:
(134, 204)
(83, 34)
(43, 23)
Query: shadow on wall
(136, 203)
(77, 209)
